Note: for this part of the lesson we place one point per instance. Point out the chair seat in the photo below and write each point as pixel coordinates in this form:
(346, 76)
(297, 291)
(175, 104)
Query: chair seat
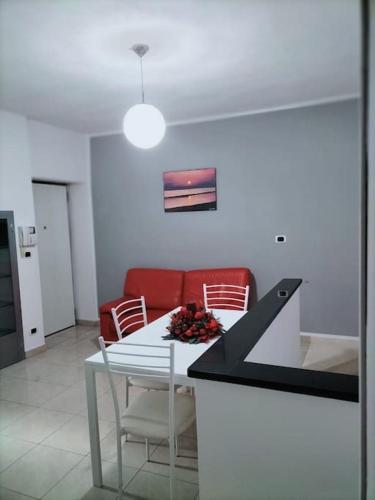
(147, 415)
(147, 383)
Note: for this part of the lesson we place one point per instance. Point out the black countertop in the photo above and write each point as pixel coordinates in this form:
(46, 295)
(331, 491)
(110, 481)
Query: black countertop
(224, 361)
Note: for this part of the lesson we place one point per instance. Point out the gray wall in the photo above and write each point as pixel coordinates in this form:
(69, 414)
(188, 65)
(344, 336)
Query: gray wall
(293, 172)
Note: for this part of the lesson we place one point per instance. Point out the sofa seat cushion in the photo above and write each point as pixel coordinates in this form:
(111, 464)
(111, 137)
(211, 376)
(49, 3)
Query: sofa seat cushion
(194, 280)
(147, 414)
(161, 288)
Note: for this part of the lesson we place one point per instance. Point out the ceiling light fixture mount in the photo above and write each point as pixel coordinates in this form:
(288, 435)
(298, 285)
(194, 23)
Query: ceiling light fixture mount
(144, 125)
(140, 49)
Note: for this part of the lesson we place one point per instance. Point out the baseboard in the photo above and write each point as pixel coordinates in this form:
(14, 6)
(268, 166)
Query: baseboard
(330, 336)
(35, 351)
(87, 322)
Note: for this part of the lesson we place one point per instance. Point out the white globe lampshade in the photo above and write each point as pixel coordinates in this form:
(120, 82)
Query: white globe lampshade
(144, 126)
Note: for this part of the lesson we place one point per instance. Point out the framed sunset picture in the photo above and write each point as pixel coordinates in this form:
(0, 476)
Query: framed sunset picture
(190, 190)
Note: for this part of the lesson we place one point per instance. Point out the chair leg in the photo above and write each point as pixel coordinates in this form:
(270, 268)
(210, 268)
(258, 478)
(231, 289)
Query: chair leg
(126, 392)
(176, 445)
(172, 459)
(147, 449)
(119, 466)
(126, 402)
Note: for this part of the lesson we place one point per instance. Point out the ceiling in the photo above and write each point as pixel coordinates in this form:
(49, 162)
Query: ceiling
(68, 62)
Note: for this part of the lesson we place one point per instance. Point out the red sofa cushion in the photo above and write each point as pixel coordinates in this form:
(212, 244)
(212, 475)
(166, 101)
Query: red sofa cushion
(107, 307)
(162, 288)
(194, 280)
(153, 314)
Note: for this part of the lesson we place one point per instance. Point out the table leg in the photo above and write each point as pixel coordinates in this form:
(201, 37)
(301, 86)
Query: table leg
(92, 410)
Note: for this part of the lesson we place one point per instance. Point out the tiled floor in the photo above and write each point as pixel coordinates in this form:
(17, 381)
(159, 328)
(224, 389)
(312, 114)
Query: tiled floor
(330, 355)
(44, 442)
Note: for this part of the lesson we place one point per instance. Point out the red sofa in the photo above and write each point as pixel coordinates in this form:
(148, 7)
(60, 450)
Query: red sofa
(165, 289)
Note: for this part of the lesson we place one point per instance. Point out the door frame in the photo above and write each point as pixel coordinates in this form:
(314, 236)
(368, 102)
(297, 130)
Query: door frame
(12, 239)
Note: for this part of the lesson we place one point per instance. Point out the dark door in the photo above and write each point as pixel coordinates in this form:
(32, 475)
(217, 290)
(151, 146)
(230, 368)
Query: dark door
(11, 335)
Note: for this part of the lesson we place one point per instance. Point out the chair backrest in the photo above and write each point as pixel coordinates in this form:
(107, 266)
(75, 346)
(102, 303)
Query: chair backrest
(134, 360)
(226, 296)
(194, 280)
(124, 321)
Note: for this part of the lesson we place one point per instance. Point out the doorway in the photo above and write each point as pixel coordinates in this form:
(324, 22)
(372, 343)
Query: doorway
(51, 213)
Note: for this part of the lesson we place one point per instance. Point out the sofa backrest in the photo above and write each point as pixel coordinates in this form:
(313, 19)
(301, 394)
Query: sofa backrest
(194, 280)
(162, 288)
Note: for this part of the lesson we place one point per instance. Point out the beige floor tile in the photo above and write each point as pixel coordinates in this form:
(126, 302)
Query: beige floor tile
(6, 494)
(186, 466)
(106, 408)
(191, 432)
(72, 335)
(57, 339)
(38, 471)
(10, 412)
(12, 370)
(11, 449)
(134, 453)
(148, 486)
(39, 370)
(37, 425)
(336, 355)
(61, 357)
(28, 391)
(83, 349)
(74, 435)
(101, 494)
(73, 399)
(78, 483)
(102, 386)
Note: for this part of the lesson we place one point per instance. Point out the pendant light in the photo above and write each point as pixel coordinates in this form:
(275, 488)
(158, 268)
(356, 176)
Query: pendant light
(144, 125)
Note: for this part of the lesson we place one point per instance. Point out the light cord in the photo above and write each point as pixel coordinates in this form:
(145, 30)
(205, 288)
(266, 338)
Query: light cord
(142, 91)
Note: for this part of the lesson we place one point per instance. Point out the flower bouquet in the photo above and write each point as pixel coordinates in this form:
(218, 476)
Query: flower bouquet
(193, 324)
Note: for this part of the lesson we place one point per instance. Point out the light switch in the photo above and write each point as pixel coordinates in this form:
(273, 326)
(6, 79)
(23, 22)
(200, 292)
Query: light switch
(280, 238)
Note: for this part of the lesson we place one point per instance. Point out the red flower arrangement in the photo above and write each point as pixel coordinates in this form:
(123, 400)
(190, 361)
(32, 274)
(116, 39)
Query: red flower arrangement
(193, 324)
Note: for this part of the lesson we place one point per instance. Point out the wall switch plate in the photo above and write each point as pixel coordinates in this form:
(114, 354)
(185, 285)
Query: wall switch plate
(33, 330)
(280, 238)
(25, 253)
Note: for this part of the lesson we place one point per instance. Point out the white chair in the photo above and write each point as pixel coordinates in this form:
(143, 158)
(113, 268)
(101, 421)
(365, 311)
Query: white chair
(154, 414)
(123, 321)
(228, 296)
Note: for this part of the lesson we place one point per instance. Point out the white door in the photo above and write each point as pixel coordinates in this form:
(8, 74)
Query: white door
(51, 212)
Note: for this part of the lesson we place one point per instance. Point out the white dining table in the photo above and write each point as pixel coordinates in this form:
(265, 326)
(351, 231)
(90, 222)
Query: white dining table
(185, 355)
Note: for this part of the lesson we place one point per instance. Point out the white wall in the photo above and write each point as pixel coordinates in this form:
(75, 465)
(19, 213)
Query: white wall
(33, 150)
(261, 444)
(16, 195)
(60, 155)
(280, 344)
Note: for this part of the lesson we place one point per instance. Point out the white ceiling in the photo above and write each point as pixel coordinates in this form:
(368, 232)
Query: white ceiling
(67, 62)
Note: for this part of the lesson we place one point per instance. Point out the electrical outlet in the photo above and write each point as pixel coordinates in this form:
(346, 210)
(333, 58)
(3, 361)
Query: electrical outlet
(33, 330)
(280, 238)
